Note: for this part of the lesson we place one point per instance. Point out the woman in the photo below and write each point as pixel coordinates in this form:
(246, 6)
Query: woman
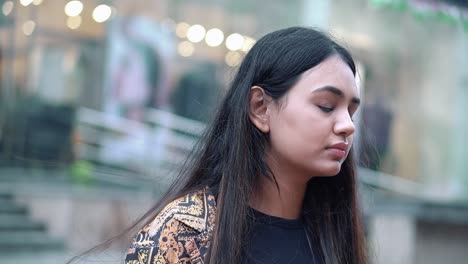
(273, 179)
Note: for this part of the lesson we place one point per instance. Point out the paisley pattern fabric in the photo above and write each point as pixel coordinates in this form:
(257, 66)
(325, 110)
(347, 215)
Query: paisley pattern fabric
(180, 233)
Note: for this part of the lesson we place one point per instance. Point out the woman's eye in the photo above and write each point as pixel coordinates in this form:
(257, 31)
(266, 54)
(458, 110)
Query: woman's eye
(326, 109)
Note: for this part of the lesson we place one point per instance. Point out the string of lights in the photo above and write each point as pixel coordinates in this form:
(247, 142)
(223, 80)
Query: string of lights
(189, 35)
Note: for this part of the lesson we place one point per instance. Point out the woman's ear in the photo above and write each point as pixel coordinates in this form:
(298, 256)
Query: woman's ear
(258, 108)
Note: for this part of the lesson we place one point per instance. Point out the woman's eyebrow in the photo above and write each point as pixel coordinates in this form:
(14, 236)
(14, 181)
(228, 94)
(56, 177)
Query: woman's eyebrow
(336, 91)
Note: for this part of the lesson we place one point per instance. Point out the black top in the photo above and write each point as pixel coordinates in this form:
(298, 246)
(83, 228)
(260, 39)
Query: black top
(275, 240)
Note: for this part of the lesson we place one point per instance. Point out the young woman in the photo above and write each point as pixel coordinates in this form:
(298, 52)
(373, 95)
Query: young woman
(273, 179)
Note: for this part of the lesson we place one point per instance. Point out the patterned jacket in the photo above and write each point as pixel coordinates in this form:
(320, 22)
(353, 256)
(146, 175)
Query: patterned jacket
(180, 233)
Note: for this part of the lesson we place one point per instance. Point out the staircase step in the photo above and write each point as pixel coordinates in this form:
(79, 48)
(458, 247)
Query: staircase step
(7, 196)
(9, 207)
(18, 222)
(28, 241)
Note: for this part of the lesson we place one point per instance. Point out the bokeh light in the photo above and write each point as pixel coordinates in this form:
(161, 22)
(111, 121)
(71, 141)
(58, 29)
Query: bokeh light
(28, 27)
(248, 44)
(214, 37)
(181, 29)
(185, 49)
(233, 58)
(26, 2)
(7, 7)
(234, 41)
(196, 33)
(74, 22)
(73, 8)
(102, 13)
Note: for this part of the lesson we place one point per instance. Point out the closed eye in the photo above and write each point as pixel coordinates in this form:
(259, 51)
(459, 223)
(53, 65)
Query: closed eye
(326, 109)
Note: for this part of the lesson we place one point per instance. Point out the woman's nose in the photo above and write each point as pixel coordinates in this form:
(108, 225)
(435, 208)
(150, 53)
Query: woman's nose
(344, 126)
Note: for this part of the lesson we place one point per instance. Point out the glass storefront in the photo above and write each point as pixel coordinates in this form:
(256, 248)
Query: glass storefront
(123, 57)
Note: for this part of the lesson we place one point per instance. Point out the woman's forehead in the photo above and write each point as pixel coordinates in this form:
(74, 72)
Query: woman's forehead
(332, 72)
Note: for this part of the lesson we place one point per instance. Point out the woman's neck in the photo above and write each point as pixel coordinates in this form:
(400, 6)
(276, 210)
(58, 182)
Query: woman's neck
(285, 203)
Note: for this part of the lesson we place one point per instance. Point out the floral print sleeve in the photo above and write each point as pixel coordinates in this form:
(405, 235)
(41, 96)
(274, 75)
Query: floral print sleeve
(164, 247)
(180, 233)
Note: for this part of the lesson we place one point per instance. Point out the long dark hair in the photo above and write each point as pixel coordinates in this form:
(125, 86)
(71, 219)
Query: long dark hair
(231, 155)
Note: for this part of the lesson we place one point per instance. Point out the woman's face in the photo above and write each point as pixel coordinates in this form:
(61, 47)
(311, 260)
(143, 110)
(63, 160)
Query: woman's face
(311, 127)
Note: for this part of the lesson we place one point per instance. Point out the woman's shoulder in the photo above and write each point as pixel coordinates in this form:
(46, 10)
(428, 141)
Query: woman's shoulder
(179, 231)
(195, 209)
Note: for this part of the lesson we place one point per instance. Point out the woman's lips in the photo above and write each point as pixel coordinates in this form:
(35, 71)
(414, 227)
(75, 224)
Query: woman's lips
(338, 150)
(337, 153)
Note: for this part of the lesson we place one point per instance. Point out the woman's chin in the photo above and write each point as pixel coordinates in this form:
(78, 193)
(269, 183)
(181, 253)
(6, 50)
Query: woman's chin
(330, 170)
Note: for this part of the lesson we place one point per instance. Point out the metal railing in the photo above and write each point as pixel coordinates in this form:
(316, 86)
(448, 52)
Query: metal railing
(153, 149)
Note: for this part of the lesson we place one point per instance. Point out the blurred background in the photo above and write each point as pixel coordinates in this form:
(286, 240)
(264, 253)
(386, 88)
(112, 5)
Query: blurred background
(102, 100)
